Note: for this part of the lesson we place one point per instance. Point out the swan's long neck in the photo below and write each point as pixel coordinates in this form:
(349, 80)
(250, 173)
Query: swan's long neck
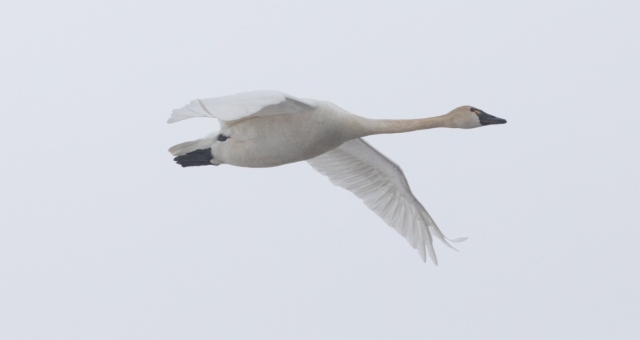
(380, 126)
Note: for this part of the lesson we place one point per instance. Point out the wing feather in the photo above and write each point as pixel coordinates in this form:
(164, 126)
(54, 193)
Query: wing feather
(380, 183)
(242, 105)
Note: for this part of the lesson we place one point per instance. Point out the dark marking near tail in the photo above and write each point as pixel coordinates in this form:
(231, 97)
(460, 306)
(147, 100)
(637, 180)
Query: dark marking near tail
(195, 158)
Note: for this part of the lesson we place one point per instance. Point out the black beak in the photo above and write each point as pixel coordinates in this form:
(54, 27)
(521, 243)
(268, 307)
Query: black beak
(487, 119)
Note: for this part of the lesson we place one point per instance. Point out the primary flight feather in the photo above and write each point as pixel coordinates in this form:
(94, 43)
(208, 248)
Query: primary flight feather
(271, 128)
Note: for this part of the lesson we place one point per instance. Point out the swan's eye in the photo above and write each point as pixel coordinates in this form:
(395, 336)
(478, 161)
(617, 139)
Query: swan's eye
(222, 138)
(476, 111)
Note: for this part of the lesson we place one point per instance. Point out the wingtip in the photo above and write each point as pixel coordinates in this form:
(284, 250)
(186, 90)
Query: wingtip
(459, 239)
(175, 118)
(431, 256)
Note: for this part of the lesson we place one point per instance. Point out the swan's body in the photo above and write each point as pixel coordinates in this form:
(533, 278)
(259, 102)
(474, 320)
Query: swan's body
(270, 128)
(262, 142)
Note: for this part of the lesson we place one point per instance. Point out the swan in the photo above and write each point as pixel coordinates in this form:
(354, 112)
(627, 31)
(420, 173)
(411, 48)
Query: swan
(270, 128)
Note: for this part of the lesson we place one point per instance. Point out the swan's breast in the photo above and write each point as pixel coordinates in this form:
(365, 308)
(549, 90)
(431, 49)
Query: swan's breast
(281, 139)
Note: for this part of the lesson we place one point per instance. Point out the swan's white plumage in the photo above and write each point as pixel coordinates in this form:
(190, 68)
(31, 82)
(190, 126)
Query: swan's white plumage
(381, 184)
(190, 146)
(271, 128)
(241, 105)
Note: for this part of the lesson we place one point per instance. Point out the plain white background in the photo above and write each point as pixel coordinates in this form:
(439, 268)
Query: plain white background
(104, 237)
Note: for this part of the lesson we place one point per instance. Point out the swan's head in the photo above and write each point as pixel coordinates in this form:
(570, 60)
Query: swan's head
(468, 117)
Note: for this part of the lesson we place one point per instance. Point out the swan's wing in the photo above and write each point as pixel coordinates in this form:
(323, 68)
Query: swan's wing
(241, 105)
(380, 183)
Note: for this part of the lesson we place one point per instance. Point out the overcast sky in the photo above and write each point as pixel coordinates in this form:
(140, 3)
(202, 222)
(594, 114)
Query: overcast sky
(103, 236)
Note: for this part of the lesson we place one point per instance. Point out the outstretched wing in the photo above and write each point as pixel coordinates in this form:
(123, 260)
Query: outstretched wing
(241, 105)
(380, 183)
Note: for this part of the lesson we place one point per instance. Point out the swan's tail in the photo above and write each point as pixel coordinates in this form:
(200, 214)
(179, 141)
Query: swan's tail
(186, 147)
(194, 153)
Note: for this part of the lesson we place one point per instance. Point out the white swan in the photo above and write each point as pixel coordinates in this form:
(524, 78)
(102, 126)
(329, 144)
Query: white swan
(270, 128)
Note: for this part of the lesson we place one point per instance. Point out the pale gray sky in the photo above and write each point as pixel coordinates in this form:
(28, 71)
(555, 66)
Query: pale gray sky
(104, 237)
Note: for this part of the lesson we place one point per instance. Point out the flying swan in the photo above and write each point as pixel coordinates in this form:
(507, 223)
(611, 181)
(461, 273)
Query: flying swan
(270, 128)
